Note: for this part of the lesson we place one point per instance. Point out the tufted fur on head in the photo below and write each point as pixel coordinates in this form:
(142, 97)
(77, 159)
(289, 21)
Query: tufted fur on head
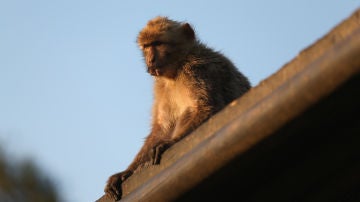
(165, 30)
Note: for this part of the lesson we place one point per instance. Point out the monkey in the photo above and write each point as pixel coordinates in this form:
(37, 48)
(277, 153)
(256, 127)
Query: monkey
(192, 82)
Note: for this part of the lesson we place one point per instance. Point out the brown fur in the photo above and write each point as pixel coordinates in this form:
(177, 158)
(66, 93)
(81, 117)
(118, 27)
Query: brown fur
(192, 83)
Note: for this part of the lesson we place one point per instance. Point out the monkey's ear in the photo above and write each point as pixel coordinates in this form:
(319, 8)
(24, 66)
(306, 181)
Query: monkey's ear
(188, 31)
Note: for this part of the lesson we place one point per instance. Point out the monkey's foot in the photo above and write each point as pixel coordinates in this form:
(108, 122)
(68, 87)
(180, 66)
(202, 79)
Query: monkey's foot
(156, 152)
(113, 186)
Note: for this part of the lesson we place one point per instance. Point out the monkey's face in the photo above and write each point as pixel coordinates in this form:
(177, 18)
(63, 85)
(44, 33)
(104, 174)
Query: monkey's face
(164, 44)
(159, 56)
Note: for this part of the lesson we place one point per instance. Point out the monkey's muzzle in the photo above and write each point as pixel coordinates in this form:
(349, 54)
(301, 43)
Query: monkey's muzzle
(154, 71)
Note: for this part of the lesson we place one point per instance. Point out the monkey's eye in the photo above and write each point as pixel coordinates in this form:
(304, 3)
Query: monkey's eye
(153, 44)
(157, 43)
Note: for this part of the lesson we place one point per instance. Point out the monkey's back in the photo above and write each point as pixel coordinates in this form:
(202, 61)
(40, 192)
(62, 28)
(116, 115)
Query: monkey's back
(214, 76)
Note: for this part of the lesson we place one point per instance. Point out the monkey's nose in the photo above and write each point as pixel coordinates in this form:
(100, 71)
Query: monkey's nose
(151, 62)
(153, 59)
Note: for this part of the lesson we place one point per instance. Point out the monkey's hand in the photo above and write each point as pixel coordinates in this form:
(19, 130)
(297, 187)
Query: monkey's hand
(113, 186)
(156, 152)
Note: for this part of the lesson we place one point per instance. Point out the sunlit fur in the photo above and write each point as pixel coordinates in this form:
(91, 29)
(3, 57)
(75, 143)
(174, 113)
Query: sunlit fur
(191, 83)
(165, 43)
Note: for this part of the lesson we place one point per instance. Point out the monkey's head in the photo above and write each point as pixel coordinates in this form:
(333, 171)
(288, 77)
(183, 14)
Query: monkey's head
(164, 44)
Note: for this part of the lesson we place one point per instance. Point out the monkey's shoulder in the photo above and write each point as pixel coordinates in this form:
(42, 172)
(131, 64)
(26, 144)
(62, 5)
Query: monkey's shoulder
(209, 67)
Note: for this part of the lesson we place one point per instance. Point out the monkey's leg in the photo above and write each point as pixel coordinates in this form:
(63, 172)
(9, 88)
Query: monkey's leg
(189, 121)
(186, 124)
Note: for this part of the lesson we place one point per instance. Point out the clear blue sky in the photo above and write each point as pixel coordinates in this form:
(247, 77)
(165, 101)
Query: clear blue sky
(74, 94)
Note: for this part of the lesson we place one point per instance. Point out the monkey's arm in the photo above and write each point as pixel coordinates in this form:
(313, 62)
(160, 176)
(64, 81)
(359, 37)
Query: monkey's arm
(113, 186)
